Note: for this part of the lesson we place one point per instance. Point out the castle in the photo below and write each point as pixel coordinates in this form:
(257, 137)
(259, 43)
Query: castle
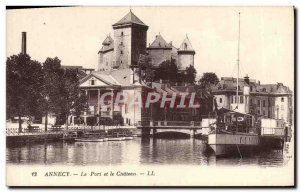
(129, 45)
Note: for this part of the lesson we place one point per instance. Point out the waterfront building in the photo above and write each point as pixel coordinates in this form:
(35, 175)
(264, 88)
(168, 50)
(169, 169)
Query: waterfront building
(265, 100)
(99, 83)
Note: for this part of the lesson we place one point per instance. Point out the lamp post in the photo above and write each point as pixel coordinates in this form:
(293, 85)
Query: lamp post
(46, 113)
(72, 113)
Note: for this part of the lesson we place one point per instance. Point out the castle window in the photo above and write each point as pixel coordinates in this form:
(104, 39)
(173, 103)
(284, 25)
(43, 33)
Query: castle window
(122, 33)
(121, 43)
(121, 52)
(220, 100)
(282, 99)
(121, 61)
(92, 82)
(185, 46)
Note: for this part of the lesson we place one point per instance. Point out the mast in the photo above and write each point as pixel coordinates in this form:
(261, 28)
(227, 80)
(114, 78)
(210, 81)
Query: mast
(238, 68)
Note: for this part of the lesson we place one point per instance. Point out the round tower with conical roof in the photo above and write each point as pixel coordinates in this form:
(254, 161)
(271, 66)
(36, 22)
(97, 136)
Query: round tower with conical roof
(185, 54)
(106, 55)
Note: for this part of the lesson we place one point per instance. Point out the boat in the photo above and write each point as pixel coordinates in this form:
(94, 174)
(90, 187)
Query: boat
(120, 136)
(235, 131)
(105, 139)
(89, 139)
(128, 138)
(69, 136)
(116, 138)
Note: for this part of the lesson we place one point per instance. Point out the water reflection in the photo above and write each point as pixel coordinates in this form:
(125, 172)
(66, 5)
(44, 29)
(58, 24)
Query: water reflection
(138, 151)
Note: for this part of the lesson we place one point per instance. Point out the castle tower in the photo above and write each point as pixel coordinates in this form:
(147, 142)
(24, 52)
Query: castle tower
(185, 54)
(106, 55)
(159, 51)
(130, 40)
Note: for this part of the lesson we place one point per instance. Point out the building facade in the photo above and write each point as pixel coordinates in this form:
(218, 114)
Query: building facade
(265, 100)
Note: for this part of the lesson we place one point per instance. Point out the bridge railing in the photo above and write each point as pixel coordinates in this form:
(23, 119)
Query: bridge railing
(170, 123)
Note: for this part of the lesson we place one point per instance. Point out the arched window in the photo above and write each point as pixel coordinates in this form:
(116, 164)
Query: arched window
(122, 33)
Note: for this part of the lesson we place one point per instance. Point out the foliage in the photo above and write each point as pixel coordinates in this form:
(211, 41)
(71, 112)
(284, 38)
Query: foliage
(33, 90)
(24, 82)
(190, 75)
(208, 79)
(71, 99)
(167, 70)
(145, 70)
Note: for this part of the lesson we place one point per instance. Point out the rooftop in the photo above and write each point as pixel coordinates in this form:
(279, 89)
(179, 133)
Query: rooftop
(186, 45)
(129, 19)
(108, 45)
(229, 84)
(160, 42)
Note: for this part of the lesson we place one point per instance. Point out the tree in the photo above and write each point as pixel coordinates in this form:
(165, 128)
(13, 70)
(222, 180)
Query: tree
(145, 70)
(71, 99)
(24, 82)
(52, 73)
(167, 70)
(208, 79)
(190, 75)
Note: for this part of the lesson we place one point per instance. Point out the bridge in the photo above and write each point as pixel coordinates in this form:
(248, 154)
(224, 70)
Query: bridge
(156, 128)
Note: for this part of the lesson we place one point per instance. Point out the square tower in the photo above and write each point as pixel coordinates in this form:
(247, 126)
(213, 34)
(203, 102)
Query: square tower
(130, 41)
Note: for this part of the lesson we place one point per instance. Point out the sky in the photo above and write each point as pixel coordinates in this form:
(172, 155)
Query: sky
(75, 35)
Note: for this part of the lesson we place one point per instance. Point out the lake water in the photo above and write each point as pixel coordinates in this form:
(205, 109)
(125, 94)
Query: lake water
(140, 151)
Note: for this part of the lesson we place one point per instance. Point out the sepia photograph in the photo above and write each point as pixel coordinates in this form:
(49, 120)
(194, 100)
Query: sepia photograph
(150, 96)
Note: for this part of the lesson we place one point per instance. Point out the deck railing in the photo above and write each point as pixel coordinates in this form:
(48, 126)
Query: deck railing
(272, 131)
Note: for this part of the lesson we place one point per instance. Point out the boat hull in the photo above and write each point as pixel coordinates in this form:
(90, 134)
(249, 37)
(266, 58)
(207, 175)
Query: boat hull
(89, 140)
(128, 138)
(116, 139)
(239, 150)
(238, 143)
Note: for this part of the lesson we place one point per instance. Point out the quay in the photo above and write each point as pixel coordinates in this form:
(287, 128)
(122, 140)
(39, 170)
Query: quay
(13, 136)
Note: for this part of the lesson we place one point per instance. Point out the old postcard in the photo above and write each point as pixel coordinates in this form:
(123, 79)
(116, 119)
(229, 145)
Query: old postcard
(150, 96)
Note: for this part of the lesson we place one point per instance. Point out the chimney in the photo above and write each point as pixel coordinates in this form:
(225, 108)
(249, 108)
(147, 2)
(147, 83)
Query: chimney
(24, 43)
(246, 79)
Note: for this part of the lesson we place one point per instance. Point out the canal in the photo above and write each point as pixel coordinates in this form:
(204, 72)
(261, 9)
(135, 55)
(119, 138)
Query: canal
(139, 151)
